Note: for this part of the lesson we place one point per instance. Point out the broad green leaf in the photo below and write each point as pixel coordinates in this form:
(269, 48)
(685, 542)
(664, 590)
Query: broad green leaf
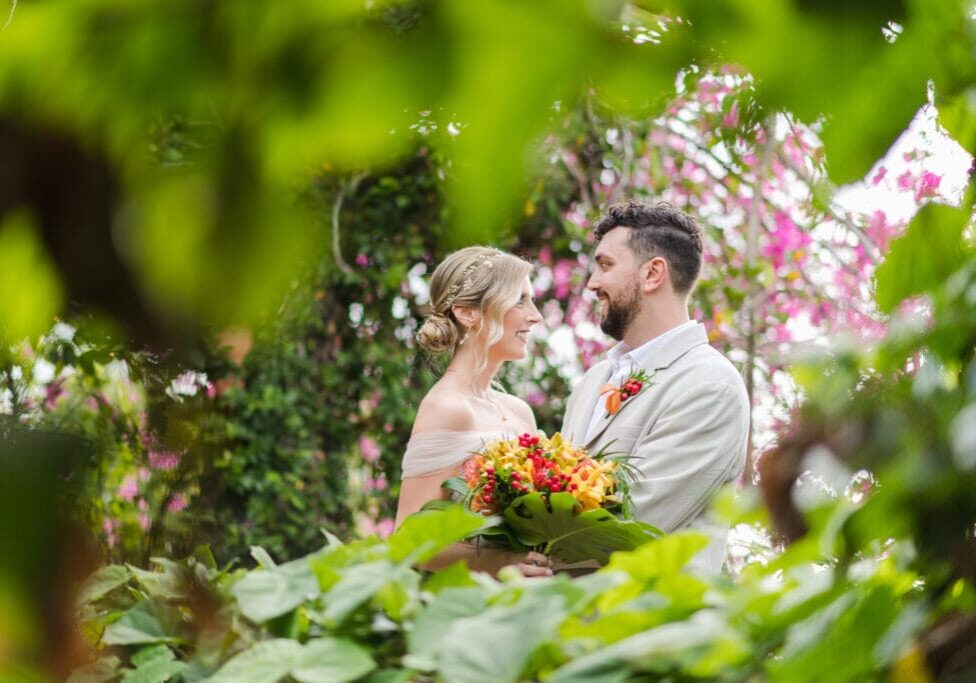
(165, 584)
(434, 625)
(358, 585)
(665, 648)
(99, 671)
(503, 115)
(495, 646)
(590, 535)
(496, 531)
(327, 564)
(151, 654)
(328, 660)
(392, 676)
(905, 627)
(618, 624)
(958, 117)
(204, 555)
(262, 557)
(455, 575)
(269, 660)
(320, 660)
(153, 665)
(919, 261)
(456, 485)
(30, 292)
(424, 534)
(265, 594)
(401, 597)
(838, 642)
(666, 556)
(102, 582)
(138, 625)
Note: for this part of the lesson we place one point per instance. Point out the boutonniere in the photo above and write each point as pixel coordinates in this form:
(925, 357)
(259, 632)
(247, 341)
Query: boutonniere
(630, 387)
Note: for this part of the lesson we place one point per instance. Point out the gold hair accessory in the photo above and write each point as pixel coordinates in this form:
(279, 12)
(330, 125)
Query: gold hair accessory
(465, 282)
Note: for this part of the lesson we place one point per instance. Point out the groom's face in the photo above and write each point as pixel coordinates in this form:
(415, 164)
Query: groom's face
(615, 282)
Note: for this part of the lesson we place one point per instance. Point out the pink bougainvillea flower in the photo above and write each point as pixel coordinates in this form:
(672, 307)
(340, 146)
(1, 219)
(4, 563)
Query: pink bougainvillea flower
(928, 186)
(362, 260)
(177, 503)
(905, 181)
(731, 118)
(53, 392)
(385, 527)
(109, 525)
(377, 484)
(784, 238)
(164, 460)
(369, 449)
(879, 176)
(562, 275)
(129, 488)
(877, 228)
(781, 333)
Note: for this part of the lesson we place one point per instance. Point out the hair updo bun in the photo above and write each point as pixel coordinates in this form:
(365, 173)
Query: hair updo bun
(438, 334)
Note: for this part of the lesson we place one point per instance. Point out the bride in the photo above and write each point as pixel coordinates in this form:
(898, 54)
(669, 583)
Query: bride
(482, 312)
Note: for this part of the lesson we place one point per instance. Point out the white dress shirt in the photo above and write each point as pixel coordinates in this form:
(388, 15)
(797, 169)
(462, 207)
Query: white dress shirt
(624, 361)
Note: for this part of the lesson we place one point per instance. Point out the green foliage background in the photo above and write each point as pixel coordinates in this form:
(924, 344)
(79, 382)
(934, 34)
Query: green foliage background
(172, 169)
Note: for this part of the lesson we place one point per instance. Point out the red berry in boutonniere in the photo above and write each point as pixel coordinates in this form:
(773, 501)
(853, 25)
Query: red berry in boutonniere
(630, 387)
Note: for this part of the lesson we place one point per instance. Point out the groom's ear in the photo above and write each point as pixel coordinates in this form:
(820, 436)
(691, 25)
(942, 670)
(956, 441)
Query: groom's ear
(653, 273)
(466, 315)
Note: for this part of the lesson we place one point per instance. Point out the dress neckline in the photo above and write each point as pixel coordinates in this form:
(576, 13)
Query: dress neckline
(446, 432)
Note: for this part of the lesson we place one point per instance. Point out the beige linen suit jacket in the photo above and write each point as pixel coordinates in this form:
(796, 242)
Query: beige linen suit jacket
(686, 432)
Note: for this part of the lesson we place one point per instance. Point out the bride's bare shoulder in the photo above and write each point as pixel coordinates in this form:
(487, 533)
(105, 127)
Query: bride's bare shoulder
(442, 410)
(519, 407)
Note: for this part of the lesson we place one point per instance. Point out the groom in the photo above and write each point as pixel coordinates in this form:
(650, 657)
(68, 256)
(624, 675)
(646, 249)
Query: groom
(687, 423)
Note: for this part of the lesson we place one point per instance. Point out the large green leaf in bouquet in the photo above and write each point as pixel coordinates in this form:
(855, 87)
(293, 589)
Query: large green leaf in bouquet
(573, 536)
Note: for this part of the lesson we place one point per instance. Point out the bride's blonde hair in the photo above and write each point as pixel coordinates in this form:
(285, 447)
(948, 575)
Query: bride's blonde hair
(482, 278)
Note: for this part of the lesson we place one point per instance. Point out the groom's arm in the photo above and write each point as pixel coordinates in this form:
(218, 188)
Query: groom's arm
(695, 446)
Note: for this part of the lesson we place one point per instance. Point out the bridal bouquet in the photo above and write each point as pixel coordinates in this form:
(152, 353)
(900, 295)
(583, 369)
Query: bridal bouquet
(545, 494)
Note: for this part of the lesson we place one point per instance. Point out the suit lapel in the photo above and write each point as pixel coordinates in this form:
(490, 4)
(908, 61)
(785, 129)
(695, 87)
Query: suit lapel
(590, 394)
(673, 349)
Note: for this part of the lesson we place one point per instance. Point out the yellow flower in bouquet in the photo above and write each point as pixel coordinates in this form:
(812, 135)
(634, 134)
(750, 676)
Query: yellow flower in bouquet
(592, 483)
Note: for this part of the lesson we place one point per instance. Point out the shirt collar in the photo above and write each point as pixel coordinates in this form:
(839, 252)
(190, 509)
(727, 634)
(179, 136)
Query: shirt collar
(622, 355)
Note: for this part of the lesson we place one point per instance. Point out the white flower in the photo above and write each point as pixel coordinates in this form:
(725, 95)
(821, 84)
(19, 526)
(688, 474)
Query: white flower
(187, 384)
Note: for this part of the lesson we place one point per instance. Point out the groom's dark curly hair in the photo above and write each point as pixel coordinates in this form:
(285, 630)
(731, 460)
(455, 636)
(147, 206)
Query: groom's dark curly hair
(659, 230)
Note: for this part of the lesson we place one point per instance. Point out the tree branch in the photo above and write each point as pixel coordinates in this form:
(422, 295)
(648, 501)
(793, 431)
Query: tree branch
(753, 226)
(345, 188)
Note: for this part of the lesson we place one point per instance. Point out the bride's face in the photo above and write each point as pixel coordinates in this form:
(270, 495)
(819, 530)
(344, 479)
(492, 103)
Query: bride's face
(517, 326)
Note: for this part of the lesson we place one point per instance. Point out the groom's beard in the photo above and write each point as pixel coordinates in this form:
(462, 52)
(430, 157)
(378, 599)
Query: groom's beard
(620, 314)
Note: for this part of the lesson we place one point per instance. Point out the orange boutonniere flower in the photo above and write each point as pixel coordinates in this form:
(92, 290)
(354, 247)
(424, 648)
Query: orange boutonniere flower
(631, 386)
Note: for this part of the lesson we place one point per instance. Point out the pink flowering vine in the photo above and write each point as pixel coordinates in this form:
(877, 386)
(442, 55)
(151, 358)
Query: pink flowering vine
(369, 449)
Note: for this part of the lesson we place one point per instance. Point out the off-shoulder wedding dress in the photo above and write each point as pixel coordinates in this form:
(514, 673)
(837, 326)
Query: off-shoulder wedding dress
(437, 451)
